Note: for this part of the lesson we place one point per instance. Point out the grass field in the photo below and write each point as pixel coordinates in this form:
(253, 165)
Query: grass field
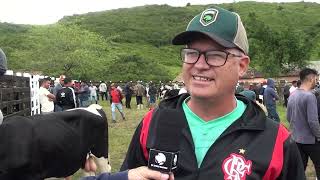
(120, 134)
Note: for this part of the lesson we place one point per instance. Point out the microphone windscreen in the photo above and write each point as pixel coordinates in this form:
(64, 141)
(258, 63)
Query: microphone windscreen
(163, 161)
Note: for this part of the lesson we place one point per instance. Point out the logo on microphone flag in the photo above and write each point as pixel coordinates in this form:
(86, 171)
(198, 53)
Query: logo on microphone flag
(162, 160)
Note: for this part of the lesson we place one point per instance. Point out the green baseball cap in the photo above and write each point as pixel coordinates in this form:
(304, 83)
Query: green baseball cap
(222, 26)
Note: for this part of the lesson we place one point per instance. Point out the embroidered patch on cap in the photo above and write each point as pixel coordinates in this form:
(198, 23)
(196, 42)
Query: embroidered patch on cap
(208, 16)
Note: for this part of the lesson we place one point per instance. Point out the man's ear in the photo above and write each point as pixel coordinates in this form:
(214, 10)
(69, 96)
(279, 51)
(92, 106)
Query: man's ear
(243, 65)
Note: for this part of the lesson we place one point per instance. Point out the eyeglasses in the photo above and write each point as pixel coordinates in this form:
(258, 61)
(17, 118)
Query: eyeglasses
(214, 58)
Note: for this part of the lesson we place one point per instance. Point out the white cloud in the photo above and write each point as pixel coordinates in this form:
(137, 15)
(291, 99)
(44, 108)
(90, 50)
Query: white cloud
(50, 11)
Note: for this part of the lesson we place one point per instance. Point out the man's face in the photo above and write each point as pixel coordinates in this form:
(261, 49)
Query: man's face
(47, 84)
(204, 81)
(61, 79)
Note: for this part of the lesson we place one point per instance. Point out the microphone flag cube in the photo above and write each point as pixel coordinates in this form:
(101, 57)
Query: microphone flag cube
(163, 161)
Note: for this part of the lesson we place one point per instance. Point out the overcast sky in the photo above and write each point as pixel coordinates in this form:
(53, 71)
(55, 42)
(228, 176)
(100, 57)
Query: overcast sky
(50, 11)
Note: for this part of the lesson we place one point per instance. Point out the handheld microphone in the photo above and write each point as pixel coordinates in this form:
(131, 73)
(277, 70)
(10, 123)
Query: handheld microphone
(163, 161)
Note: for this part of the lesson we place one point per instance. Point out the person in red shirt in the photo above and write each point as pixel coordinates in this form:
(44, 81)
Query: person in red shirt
(116, 98)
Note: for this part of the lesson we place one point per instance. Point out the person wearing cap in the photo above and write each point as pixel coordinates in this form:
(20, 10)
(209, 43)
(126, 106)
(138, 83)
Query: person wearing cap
(217, 134)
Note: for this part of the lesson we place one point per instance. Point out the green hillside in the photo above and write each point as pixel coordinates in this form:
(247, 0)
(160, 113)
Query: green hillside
(157, 24)
(134, 43)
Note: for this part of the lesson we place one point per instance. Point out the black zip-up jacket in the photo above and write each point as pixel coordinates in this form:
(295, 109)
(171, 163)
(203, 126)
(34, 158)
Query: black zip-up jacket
(66, 98)
(253, 147)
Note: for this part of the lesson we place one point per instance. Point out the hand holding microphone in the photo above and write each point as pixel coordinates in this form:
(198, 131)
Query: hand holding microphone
(143, 173)
(140, 173)
(162, 161)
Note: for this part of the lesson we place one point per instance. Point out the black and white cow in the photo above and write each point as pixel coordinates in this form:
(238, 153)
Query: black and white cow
(51, 145)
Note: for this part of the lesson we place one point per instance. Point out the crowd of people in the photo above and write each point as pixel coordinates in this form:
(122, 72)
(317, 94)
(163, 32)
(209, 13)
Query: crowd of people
(302, 101)
(67, 93)
(268, 93)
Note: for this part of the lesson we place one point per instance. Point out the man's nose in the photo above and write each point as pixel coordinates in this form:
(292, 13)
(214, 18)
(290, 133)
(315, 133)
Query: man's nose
(202, 63)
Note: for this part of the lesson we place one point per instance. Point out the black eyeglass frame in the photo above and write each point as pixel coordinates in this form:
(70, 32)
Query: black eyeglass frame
(206, 57)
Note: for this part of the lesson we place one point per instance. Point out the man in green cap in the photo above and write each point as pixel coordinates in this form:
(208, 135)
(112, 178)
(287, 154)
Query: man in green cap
(214, 133)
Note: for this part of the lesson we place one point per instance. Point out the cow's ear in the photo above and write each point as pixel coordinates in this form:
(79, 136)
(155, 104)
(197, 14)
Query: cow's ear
(102, 113)
(93, 108)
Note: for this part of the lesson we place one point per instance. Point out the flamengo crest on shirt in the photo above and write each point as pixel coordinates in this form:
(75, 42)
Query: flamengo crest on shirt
(236, 167)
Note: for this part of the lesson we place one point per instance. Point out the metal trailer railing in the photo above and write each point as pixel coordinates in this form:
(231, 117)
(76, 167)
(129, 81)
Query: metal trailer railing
(14, 95)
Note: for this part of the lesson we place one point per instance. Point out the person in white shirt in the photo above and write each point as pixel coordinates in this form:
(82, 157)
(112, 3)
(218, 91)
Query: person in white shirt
(46, 98)
(103, 90)
(93, 93)
(293, 87)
